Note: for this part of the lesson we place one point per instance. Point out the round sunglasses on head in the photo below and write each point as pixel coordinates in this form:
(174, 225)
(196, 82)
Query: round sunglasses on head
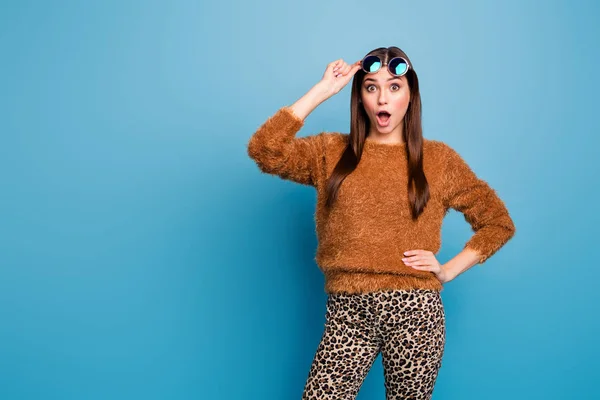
(397, 66)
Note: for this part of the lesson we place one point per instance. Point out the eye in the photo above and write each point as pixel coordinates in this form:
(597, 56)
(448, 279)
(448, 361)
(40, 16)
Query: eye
(368, 87)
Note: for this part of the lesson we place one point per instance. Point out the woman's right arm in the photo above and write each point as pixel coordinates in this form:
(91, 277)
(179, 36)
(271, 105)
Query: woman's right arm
(274, 147)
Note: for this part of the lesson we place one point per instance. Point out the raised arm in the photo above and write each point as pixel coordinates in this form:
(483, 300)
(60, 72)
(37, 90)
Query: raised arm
(274, 146)
(480, 204)
(276, 150)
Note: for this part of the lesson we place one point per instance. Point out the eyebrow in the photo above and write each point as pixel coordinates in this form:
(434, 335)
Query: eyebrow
(391, 79)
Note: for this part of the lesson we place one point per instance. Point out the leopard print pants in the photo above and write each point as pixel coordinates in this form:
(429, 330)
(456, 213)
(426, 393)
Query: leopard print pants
(408, 327)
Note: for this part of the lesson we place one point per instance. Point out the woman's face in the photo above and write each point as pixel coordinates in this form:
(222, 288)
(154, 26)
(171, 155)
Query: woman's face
(382, 91)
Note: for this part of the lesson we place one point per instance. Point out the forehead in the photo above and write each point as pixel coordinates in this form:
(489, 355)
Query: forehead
(383, 76)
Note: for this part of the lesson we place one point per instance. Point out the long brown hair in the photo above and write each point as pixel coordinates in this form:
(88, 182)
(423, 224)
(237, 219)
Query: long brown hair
(418, 188)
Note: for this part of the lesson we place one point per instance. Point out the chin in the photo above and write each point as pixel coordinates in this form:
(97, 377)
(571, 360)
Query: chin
(384, 130)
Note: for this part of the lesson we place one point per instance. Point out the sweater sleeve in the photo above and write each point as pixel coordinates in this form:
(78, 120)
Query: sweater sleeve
(277, 151)
(480, 204)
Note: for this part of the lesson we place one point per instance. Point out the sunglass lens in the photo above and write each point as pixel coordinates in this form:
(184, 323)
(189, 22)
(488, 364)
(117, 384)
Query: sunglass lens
(371, 64)
(398, 66)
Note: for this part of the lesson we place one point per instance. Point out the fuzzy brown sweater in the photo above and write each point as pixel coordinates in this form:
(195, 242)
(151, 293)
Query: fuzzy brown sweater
(362, 238)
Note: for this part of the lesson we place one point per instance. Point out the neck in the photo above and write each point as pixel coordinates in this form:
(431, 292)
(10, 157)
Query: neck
(394, 137)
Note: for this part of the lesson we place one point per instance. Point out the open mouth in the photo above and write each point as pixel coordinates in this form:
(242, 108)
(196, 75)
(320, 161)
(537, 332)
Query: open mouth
(383, 117)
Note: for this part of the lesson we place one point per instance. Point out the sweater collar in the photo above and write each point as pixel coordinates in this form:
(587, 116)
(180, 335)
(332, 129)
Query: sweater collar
(384, 148)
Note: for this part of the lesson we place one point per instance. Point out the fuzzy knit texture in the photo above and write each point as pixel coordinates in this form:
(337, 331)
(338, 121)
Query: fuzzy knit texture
(362, 238)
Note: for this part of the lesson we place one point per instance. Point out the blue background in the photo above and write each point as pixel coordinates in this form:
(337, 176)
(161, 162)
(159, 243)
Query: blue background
(143, 254)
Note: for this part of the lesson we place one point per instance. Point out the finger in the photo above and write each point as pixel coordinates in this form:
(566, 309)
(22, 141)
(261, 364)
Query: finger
(342, 69)
(413, 252)
(354, 68)
(419, 257)
(422, 268)
(418, 263)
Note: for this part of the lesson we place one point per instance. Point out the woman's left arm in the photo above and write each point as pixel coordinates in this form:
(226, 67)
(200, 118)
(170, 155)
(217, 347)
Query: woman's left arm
(483, 209)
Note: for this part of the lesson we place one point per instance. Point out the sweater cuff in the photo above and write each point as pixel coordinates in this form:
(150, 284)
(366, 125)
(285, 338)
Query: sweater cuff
(489, 244)
(289, 114)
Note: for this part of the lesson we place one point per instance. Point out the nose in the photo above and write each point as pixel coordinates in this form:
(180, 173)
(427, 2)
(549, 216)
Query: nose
(382, 97)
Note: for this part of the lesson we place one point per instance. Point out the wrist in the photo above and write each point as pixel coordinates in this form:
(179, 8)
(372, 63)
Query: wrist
(446, 273)
(322, 91)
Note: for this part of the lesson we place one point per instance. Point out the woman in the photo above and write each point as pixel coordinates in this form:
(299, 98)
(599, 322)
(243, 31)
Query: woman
(382, 193)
